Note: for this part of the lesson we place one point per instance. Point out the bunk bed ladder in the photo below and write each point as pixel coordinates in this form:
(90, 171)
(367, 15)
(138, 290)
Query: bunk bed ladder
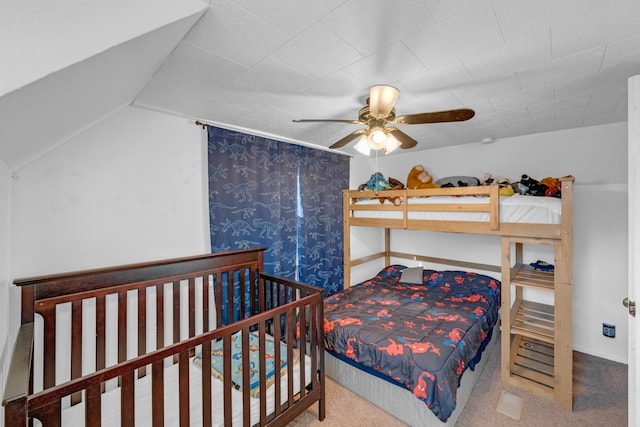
(536, 344)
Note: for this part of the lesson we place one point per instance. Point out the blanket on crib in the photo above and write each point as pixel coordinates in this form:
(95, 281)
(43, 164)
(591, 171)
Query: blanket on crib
(217, 357)
(421, 336)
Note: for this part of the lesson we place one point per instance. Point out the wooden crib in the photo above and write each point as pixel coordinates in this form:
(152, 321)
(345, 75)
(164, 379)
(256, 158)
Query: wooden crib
(118, 345)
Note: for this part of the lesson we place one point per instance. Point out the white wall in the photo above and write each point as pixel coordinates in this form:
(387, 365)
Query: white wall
(597, 157)
(5, 302)
(132, 188)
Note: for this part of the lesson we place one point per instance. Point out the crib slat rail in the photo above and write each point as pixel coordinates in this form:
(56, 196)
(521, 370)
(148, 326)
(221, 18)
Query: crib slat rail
(189, 304)
(17, 387)
(47, 403)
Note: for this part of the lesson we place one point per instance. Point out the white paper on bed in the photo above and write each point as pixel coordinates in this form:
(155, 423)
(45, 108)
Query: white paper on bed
(74, 416)
(516, 208)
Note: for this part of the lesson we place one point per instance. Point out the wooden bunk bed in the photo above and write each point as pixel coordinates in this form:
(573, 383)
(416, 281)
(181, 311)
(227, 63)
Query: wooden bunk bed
(120, 346)
(536, 338)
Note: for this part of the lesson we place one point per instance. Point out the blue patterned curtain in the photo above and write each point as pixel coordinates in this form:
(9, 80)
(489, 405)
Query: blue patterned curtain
(286, 197)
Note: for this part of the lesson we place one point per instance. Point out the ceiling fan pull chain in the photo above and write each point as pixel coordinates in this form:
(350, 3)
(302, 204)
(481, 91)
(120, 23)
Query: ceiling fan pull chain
(376, 154)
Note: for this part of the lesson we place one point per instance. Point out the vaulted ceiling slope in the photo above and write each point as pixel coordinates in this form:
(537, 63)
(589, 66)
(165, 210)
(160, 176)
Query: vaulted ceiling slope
(523, 66)
(67, 64)
(38, 38)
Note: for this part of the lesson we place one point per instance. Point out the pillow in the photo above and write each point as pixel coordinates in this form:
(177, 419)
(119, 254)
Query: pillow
(412, 275)
(458, 181)
(390, 272)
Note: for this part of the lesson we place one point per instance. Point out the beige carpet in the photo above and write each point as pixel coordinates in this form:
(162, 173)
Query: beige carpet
(600, 398)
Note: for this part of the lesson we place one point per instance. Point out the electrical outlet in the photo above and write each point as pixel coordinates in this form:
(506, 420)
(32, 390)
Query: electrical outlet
(609, 330)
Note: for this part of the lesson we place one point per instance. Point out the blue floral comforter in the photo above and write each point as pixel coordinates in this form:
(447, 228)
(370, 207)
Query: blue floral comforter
(421, 336)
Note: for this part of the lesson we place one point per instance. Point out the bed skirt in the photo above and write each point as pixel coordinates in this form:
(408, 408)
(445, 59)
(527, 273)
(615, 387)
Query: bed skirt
(399, 402)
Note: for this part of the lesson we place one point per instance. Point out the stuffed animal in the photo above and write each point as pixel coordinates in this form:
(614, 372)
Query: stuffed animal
(394, 184)
(489, 179)
(506, 188)
(376, 183)
(517, 188)
(419, 178)
(554, 186)
(533, 187)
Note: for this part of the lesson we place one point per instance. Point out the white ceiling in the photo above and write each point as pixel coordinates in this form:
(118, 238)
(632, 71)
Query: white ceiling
(523, 66)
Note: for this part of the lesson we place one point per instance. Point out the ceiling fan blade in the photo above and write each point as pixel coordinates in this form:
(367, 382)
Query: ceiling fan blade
(381, 100)
(353, 122)
(347, 139)
(436, 117)
(405, 140)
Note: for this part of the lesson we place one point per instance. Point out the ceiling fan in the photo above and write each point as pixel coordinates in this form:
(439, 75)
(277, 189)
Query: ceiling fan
(379, 112)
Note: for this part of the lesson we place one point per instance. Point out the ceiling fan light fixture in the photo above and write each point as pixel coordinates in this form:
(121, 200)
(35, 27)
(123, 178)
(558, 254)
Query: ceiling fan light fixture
(363, 146)
(382, 98)
(377, 137)
(379, 113)
(391, 145)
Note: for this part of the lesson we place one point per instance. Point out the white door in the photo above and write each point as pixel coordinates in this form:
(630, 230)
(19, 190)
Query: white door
(634, 245)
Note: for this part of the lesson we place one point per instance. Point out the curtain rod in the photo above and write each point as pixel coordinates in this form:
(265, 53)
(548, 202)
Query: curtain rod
(274, 137)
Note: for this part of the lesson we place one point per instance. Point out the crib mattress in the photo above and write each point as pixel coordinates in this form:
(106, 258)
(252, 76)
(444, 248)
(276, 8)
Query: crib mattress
(516, 209)
(74, 416)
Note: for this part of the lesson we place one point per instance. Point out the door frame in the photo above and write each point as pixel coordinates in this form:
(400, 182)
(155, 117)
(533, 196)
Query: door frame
(634, 245)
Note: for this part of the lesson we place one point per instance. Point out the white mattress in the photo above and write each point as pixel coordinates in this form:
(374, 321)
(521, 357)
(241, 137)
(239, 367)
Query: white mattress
(516, 208)
(74, 416)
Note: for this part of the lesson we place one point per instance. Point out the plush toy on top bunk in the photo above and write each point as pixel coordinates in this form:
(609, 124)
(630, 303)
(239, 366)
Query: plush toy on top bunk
(419, 178)
(377, 182)
(503, 182)
(548, 187)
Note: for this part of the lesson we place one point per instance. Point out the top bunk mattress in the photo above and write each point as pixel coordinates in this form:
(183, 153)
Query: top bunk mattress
(513, 209)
